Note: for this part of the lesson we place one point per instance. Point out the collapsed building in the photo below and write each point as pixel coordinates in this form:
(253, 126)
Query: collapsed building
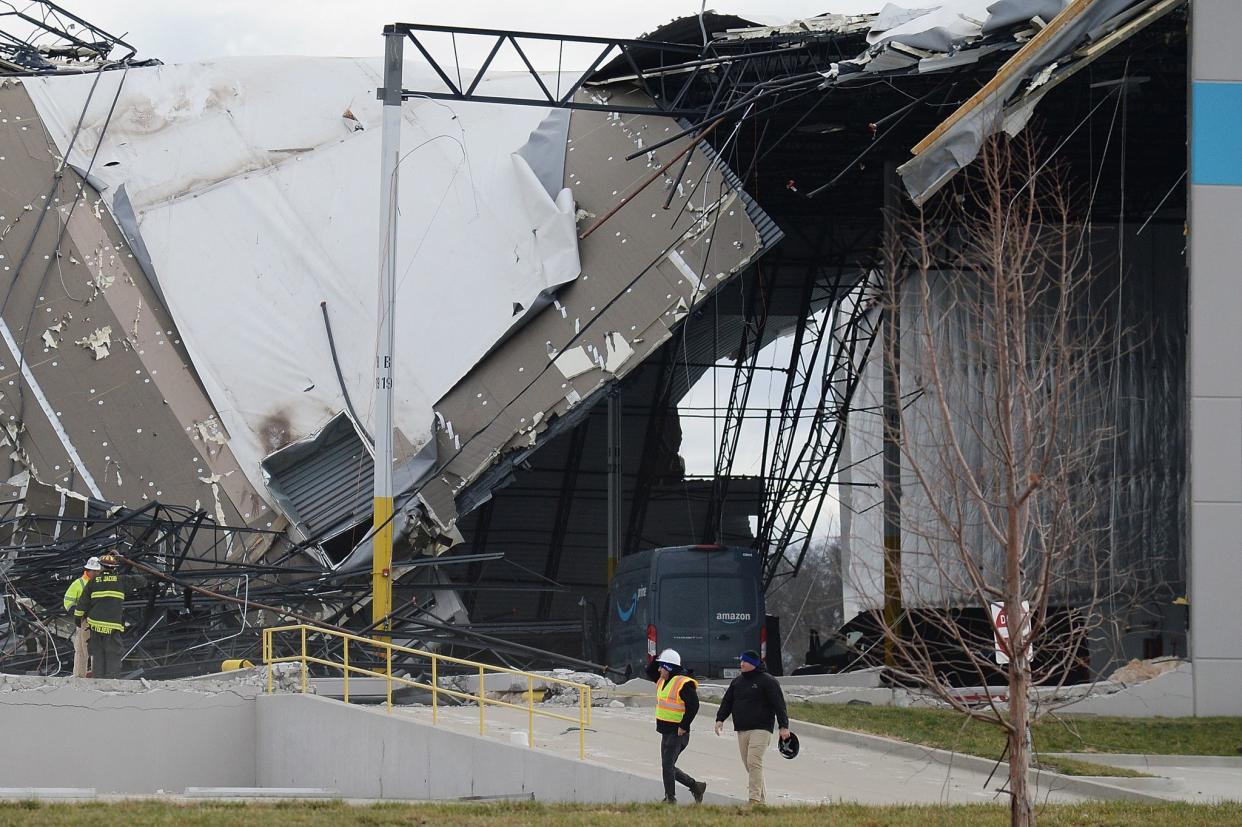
(191, 301)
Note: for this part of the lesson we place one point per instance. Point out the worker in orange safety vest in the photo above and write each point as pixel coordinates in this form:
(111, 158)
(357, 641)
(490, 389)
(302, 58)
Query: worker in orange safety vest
(677, 702)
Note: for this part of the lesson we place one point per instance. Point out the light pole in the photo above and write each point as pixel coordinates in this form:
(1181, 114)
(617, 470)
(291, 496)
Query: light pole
(381, 541)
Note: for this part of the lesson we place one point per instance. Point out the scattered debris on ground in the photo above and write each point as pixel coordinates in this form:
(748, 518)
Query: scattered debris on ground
(513, 688)
(1137, 671)
(286, 677)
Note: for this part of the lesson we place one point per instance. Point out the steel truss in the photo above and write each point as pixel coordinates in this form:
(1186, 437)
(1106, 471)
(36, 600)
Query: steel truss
(42, 37)
(678, 78)
(43, 553)
(753, 327)
(459, 87)
(844, 333)
(172, 630)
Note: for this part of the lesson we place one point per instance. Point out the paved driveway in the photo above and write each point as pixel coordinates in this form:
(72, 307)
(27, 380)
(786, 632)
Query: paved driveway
(825, 771)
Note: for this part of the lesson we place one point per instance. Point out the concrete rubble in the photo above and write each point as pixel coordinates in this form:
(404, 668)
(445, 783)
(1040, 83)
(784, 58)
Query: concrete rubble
(502, 686)
(286, 677)
(1137, 671)
(1160, 686)
(1168, 694)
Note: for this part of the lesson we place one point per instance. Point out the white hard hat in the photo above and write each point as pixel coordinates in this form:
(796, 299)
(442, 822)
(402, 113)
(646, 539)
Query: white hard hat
(670, 656)
(93, 564)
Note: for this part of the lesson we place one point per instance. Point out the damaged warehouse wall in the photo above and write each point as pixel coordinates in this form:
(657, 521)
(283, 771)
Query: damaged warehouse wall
(276, 224)
(1138, 409)
(642, 274)
(268, 390)
(811, 155)
(101, 396)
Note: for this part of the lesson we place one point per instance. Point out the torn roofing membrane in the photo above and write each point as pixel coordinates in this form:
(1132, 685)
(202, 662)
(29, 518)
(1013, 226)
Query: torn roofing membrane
(254, 187)
(1055, 40)
(938, 37)
(643, 270)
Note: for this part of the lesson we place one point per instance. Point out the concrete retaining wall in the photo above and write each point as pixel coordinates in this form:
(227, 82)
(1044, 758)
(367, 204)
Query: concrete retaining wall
(136, 740)
(1170, 695)
(360, 752)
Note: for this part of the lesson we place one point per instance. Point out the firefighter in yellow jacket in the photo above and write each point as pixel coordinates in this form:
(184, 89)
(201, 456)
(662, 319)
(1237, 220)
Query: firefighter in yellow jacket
(677, 702)
(101, 606)
(81, 634)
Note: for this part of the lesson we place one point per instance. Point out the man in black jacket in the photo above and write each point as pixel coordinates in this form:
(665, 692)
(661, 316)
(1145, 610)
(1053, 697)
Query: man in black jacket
(756, 702)
(677, 702)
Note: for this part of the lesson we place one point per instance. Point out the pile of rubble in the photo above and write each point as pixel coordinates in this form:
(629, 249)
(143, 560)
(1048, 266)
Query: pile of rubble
(503, 686)
(1141, 687)
(1137, 671)
(286, 677)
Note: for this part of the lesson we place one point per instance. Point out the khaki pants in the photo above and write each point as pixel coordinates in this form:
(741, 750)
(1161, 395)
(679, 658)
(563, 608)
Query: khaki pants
(752, 743)
(81, 657)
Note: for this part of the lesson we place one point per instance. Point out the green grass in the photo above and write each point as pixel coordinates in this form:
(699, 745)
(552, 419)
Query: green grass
(334, 814)
(949, 730)
(1073, 766)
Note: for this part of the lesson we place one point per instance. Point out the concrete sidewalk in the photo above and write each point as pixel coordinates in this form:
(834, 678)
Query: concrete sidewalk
(1196, 778)
(826, 770)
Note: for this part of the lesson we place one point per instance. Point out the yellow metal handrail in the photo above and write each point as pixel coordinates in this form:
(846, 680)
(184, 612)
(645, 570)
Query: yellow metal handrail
(583, 720)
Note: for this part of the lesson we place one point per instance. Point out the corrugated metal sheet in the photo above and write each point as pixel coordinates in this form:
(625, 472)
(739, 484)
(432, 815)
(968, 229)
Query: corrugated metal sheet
(325, 483)
(1134, 538)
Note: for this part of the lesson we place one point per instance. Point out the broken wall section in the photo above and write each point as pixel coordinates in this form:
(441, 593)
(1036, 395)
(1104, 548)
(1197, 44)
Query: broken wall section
(644, 269)
(277, 212)
(99, 395)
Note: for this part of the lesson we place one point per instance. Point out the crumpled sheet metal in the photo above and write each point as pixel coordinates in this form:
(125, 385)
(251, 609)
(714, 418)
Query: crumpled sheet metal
(633, 291)
(927, 172)
(277, 209)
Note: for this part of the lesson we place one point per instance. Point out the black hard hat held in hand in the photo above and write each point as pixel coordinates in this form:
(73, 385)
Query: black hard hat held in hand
(788, 746)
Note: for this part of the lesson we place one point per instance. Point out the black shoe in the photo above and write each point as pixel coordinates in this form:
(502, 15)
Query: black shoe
(670, 801)
(697, 789)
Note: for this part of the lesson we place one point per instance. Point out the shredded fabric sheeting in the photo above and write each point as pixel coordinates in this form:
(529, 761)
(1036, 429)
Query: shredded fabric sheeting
(277, 209)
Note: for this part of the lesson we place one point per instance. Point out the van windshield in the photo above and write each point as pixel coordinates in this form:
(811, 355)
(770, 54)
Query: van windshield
(683, 602)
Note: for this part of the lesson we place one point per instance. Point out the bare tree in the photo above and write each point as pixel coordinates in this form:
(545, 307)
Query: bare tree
(1002, 431)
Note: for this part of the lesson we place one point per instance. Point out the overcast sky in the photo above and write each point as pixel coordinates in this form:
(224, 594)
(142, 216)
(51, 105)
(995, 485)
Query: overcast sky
(176, 31)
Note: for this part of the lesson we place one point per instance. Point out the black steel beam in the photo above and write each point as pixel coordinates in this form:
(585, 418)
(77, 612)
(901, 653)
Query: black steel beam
(564, 508)
(657, 416)
(753, 326)
(479, 545)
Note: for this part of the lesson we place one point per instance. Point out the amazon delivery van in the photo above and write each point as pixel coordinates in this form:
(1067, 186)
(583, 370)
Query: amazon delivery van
(704, 601)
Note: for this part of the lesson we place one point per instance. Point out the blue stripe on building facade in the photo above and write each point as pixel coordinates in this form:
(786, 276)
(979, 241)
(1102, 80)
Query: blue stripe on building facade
(1216, 138)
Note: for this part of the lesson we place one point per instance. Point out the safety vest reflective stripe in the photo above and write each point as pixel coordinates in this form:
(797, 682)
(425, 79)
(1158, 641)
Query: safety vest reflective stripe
(98, 594)
(669, 706)
(669, 695)
(105, 627)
